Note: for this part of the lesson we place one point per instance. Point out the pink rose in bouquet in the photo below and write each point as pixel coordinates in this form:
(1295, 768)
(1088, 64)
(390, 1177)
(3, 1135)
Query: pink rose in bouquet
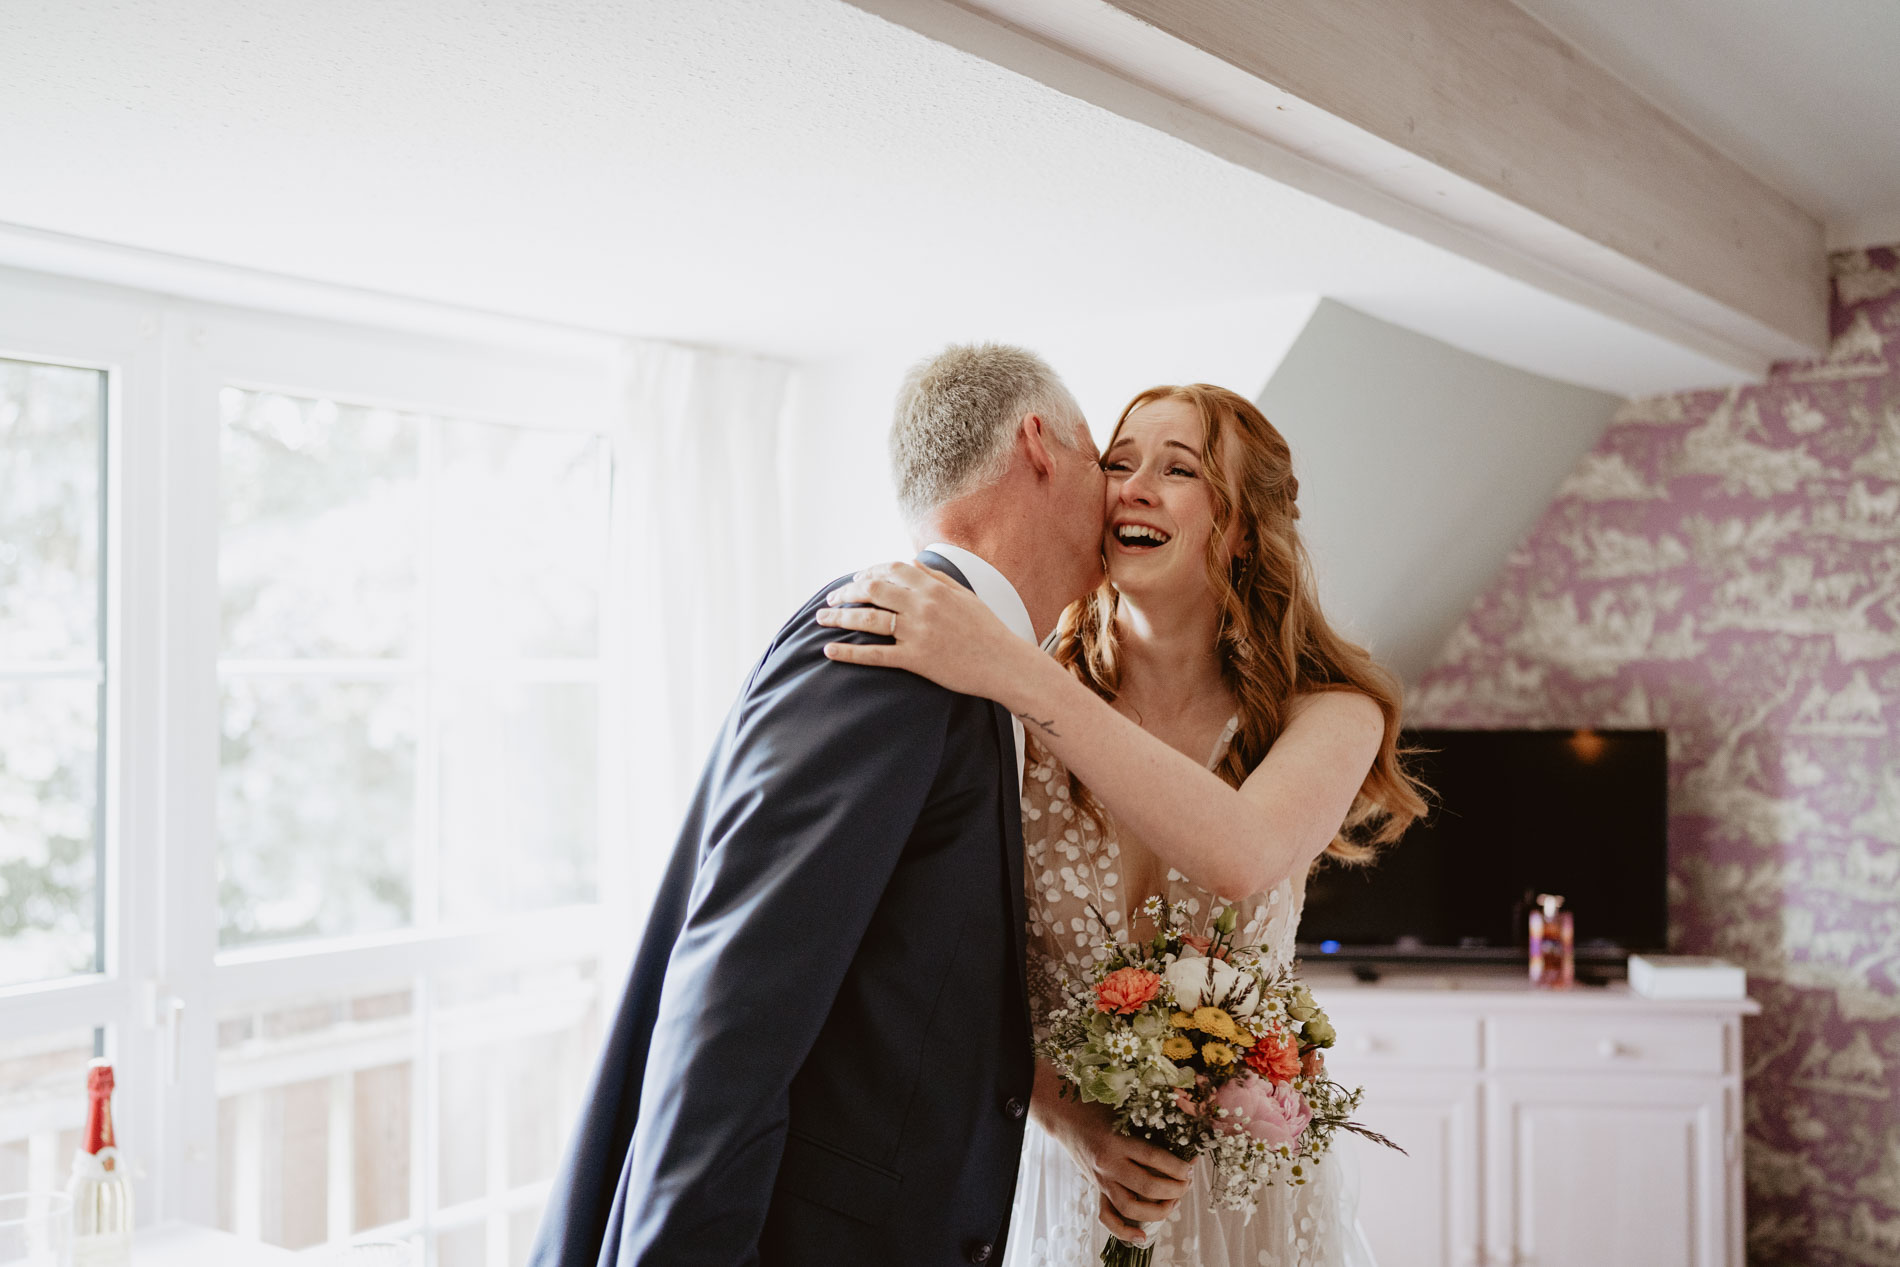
(1273, 1113)
(1205, 945)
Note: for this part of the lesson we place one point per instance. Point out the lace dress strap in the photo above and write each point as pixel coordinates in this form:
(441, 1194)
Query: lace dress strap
(1227, 734)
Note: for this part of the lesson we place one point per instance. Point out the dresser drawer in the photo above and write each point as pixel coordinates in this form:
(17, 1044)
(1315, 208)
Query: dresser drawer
(1617, 1040)
(1371, 1041)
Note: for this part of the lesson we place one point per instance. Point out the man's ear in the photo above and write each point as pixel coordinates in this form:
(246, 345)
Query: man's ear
(1035, 439)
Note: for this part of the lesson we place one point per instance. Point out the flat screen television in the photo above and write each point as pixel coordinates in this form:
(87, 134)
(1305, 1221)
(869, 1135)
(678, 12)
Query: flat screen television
(1515, 813)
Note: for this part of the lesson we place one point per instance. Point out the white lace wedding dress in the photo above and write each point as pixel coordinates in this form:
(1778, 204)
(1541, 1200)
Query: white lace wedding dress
(1069, 866)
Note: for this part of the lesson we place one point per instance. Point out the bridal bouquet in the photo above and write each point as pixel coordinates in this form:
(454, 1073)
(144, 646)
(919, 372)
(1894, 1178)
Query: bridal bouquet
(1201, 1048)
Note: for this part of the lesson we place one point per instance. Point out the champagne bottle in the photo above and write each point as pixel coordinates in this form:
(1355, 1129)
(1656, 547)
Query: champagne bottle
(101, 1193)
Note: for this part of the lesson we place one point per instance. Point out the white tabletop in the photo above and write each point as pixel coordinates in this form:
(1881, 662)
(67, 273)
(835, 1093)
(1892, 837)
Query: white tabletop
(188, 1245)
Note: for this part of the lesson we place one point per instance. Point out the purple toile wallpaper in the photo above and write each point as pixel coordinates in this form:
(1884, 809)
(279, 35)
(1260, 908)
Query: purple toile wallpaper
(1726, 564)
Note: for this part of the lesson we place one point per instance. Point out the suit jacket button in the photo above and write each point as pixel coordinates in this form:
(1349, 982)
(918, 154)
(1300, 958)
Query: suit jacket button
(1015, 1107)
(980, 1251)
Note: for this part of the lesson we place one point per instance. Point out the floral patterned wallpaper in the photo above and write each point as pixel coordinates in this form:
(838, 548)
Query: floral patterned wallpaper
(1726, 564)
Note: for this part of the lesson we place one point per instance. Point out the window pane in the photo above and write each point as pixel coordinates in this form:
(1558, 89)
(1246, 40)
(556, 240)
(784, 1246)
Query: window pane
(316, 799)
(382, 1100)
(517, 1049)
(462, 1156)
(52, 428)
(48, 792)
(521, 526)
(42, 1107)
(517, 796)
(311, 1093)
(521, 1230)
(463, 1247)
(52, 461)
(319, 553)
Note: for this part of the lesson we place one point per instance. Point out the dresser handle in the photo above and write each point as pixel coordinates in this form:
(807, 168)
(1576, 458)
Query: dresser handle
(1610, 1049)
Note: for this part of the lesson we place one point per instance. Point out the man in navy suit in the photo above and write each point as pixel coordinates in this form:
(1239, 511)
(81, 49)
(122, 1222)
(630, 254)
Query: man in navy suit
(823, 1052)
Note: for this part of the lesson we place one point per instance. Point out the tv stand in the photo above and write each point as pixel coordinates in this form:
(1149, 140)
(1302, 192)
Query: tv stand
(1530, 1113)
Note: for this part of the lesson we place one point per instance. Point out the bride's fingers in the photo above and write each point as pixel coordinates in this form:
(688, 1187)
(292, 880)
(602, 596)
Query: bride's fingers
(863, 653)
(1112, 1220)
(918, 574)
(1145, 1183)
(1135, 1206)
(864, 619)
(884, 593)
(1160, 1161)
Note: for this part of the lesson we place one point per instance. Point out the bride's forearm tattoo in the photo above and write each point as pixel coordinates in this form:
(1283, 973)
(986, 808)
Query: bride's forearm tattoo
(1046, 727)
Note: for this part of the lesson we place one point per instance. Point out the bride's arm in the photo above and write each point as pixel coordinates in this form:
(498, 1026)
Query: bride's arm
(1232, 841)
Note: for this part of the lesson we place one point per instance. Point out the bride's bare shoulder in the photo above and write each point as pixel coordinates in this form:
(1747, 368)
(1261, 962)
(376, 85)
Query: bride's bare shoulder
(1349, 710)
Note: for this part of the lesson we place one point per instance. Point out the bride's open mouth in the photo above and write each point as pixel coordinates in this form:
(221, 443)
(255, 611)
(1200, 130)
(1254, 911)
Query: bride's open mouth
(1139, 537)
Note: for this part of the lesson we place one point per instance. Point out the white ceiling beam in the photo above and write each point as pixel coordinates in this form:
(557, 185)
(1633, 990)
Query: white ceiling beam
(1463, 122)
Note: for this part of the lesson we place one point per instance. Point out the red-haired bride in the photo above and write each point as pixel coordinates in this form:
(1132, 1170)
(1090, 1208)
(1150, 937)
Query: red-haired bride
(1200, 733)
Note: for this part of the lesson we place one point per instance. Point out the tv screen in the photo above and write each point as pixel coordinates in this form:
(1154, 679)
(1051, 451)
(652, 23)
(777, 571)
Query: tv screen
(1515, 813)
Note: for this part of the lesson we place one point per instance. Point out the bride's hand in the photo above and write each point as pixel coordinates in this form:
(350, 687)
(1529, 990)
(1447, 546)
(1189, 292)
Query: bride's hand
(1139, 1182)
(939, 630)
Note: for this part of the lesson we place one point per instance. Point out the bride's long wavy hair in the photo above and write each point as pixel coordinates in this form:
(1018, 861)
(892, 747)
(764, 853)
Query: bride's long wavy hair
(1273, 641)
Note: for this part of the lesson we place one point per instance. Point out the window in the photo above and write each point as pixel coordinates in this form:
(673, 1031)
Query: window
(410, 667)
(306, 653)
(52, 670)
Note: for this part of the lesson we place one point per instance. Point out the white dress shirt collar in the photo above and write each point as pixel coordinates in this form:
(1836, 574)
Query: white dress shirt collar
(992, 587)
(1000, 597)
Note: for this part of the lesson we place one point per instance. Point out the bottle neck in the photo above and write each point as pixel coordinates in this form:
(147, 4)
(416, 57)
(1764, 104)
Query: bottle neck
(98, 1136)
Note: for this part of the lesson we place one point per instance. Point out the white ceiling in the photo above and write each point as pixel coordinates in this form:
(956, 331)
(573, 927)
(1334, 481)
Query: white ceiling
(1803, 93)
(794, 176)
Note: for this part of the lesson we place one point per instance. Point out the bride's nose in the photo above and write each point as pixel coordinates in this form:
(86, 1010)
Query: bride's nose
(1137, 489)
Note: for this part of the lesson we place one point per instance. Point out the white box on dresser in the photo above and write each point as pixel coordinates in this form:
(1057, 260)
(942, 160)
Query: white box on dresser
(1552, 1128)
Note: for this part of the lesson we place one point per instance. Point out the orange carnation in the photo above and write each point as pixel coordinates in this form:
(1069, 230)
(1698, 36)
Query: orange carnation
(1276, 1057)
(1127, 990)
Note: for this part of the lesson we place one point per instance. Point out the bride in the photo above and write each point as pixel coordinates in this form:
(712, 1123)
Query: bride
(1200, 732)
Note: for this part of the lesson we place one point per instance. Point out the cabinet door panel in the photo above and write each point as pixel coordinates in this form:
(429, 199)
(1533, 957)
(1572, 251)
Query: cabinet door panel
(1419, 1208)
(1583, 1172)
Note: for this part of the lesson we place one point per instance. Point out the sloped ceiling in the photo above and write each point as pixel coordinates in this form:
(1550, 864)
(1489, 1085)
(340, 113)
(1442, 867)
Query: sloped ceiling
(793, 176)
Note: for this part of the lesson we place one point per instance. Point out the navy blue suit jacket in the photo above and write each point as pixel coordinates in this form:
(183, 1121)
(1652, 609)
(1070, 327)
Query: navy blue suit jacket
(823, 1052)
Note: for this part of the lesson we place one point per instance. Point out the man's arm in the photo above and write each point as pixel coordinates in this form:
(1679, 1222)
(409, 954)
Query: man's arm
(820, 788)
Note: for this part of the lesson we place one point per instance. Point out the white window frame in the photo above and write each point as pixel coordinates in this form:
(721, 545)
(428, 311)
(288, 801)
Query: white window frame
(166, 982)
(56, 321)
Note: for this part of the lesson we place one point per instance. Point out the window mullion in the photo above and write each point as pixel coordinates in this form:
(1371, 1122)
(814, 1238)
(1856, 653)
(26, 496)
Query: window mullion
(188, 434)
(426, 862)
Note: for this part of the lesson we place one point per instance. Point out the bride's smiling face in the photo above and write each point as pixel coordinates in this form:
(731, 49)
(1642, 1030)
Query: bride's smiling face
(1160, 508)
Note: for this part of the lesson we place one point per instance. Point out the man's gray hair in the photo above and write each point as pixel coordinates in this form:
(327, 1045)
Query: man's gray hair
(956, 417)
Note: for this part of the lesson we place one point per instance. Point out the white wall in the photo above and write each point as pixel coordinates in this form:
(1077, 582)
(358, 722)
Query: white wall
(1420, 467)
(839, 506)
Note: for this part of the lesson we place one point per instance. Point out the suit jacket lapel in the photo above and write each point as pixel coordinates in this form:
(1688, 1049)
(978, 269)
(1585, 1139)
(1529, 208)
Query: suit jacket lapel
(1010, 798)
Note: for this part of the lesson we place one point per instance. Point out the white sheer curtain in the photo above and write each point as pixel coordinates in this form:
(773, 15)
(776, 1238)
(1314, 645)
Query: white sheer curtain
(700, 571)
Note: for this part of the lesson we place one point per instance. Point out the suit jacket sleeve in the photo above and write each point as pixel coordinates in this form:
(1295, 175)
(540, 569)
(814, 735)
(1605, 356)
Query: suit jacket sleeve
(819, 786)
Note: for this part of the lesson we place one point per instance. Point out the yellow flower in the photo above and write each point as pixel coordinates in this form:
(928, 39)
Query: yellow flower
(1216, 1022)
(1217, 1054)
(1181, 1020)
(1177, 1047)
